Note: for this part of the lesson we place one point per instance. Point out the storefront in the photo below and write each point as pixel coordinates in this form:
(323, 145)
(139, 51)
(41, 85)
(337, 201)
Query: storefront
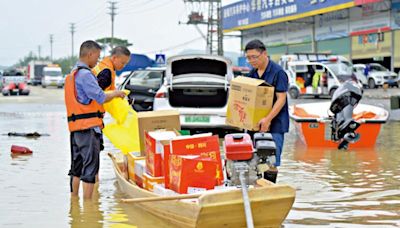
(363, 31)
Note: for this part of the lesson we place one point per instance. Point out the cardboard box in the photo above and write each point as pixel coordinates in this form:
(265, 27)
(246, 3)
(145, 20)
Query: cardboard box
(160, 189)
(150, 121)
(149, 181)
(122, 164)
(132, 157)
(204, 145)
(140, 166)
(156, 144)
(192, 172)
(249, 101)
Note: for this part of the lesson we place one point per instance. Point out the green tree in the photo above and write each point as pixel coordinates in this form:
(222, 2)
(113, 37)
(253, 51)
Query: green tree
(105, 42)
(25, 60)
(66, 63)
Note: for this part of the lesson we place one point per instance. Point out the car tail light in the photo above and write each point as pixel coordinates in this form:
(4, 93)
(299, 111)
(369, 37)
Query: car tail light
(161, 95)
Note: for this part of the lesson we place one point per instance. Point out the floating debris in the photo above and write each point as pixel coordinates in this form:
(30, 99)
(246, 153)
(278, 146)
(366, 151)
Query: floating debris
(30, 135)
(20, 150)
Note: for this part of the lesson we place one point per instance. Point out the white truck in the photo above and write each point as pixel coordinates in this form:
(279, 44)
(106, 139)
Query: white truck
(35, 71)
(52, 76)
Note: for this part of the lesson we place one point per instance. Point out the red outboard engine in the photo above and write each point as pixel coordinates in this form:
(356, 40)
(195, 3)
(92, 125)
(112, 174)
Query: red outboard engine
(239, 153)
(238, 147)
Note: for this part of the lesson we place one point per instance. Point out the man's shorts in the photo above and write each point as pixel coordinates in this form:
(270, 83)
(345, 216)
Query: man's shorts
(85, 155)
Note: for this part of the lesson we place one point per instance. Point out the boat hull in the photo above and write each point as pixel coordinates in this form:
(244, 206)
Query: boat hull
(317, 134)
(270, 206)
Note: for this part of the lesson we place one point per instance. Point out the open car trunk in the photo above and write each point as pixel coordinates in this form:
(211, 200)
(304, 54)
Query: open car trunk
(199, 82)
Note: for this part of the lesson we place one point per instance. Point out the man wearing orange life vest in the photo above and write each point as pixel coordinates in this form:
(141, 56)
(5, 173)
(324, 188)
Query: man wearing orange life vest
(84, 99)
(105, 69)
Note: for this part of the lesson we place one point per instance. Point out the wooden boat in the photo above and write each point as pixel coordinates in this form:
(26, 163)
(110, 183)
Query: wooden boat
(270, 205)
(313, 124)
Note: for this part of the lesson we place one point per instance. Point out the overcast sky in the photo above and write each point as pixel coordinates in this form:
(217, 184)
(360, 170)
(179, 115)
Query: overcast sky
(151, 25)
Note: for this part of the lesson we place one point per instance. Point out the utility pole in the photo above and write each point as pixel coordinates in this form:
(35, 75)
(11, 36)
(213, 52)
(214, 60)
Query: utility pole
(113, 14)
(51, 47)
(72, 27)
(39, 47)
(211, 18)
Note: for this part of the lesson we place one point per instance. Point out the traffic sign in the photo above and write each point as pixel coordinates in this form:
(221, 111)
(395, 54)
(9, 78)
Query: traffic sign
(160, 59)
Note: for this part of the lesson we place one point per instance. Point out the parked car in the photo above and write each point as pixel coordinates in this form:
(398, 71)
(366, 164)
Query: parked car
(376, 75)
(143, 85)
(197, 86)
(121, 78)
(14, 82)
(240, 71)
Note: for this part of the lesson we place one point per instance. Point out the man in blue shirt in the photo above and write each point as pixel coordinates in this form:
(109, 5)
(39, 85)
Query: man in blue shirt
(84, 99)
(277, 121)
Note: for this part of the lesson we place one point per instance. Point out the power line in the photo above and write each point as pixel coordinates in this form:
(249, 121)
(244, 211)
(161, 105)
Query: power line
(175, 46)
(149, 9)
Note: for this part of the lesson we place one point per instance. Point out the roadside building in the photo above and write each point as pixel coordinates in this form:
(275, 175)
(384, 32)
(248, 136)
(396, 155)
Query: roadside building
(362, 30)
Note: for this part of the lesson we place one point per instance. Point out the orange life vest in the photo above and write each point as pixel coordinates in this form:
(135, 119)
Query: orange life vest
(106, 64)
(80, 116)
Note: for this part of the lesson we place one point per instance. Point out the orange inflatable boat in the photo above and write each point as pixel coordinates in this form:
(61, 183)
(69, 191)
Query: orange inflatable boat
(312, 121)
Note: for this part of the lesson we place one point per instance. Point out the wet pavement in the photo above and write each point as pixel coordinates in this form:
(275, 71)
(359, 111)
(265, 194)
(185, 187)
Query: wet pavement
(358, 188)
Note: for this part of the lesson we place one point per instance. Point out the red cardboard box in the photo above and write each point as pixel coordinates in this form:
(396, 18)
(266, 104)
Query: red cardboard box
(192, 172)
(204, 146)
(157, 142)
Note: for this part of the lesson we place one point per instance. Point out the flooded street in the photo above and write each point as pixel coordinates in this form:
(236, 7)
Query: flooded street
(356, 188)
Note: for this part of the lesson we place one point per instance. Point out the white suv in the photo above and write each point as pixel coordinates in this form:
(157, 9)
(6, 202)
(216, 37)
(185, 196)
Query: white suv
(376, 76)
(197, 86)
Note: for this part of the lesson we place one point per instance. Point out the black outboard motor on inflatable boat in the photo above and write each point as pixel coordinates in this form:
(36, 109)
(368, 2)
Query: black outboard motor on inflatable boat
(343, 126)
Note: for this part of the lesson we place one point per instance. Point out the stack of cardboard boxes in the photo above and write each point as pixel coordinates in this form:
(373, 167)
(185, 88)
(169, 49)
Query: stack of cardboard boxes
(137, 166)
(186, 164)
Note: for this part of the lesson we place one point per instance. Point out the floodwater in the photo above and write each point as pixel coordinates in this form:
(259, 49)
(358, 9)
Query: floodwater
(333, 188)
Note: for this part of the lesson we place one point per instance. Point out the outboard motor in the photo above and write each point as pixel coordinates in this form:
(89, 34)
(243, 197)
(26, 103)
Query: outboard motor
(343, 126)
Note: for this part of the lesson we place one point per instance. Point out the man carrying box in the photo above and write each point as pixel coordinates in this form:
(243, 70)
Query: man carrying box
(277, 121)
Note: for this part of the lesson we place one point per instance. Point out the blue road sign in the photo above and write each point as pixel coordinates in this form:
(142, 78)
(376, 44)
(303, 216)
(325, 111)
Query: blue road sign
(160, 59)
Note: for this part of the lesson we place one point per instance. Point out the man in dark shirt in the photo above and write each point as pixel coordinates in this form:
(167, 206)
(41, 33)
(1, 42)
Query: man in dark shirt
(277, 121)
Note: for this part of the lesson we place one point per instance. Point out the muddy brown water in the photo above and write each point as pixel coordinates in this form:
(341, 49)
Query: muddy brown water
(334, 188)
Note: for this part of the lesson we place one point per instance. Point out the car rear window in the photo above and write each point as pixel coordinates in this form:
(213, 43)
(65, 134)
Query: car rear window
(198, 65)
